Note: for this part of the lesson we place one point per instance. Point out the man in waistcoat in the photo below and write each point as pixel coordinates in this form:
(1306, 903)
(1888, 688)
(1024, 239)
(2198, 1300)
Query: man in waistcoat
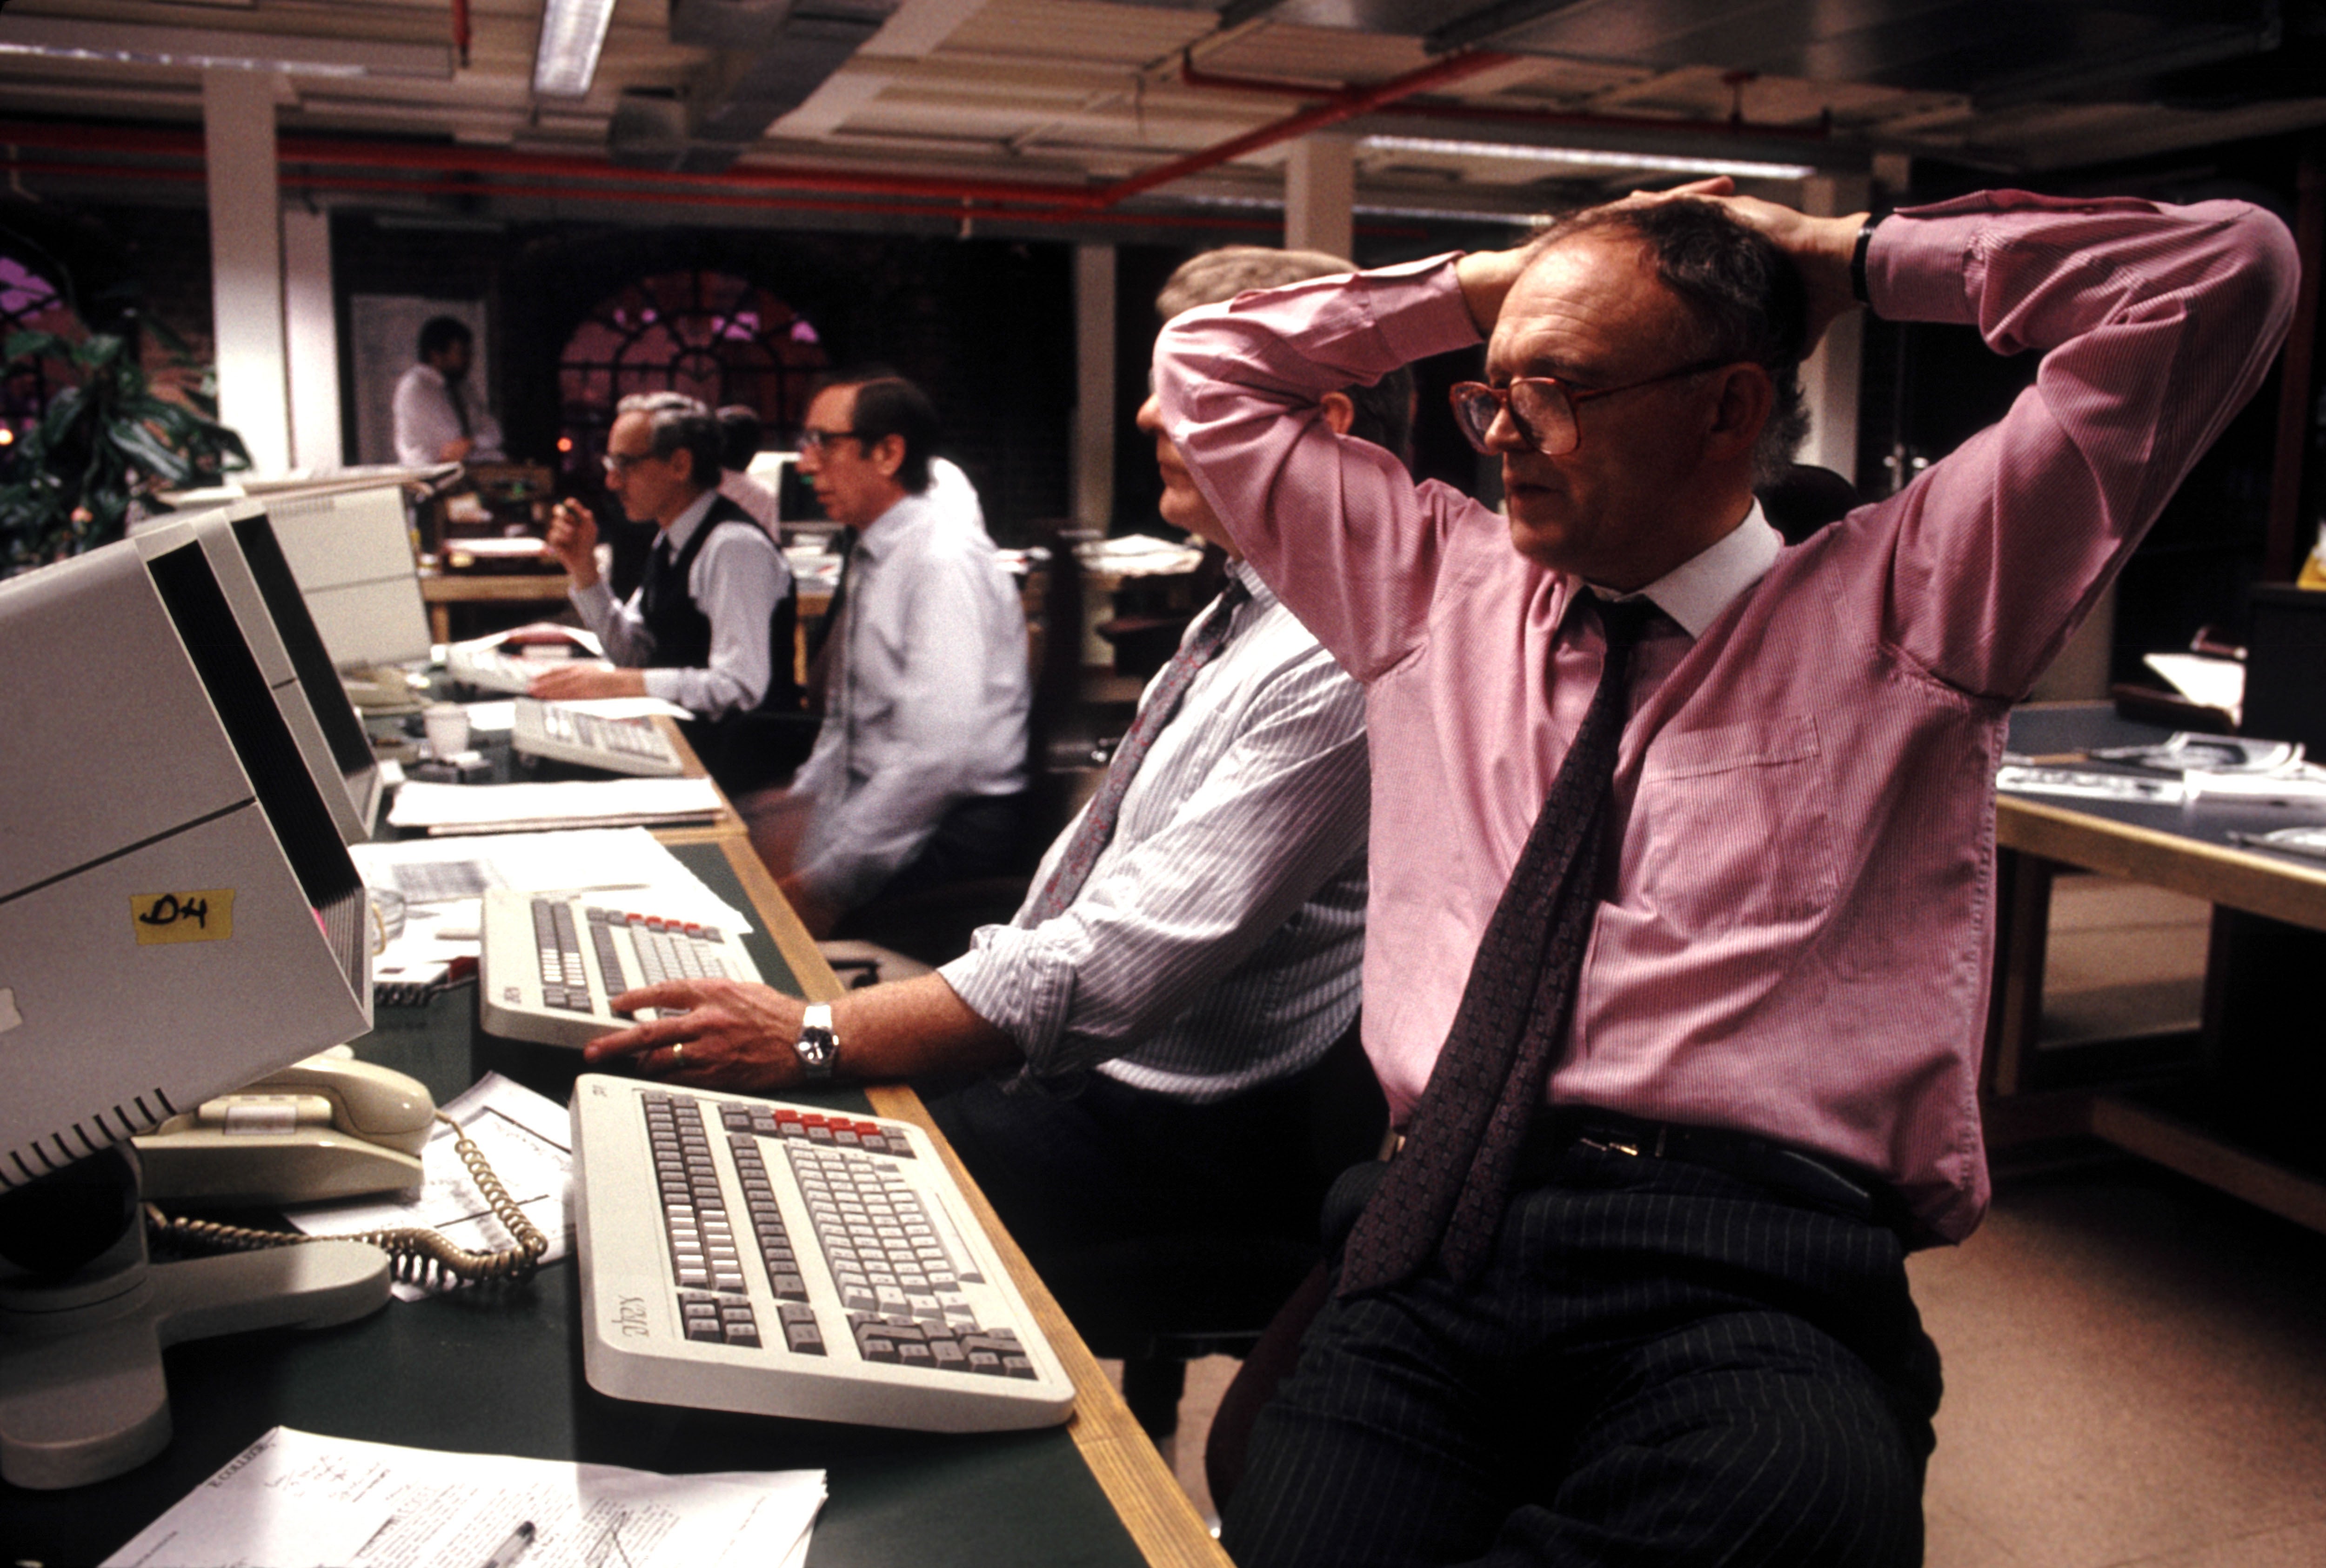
(710, 628)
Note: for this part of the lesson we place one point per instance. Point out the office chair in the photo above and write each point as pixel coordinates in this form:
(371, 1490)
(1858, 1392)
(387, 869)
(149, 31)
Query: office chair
(933, 926)
(1158, 1303)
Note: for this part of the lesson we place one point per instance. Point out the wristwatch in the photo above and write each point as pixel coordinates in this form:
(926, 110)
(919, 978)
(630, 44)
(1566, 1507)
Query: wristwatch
(817, 1045)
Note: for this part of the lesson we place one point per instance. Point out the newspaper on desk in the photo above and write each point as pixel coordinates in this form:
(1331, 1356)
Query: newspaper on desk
(527, 1140)
(295, 1498)
(2185, 770)
(441, 882)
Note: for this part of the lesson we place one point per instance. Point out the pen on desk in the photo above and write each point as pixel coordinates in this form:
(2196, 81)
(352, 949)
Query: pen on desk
(510, 1550)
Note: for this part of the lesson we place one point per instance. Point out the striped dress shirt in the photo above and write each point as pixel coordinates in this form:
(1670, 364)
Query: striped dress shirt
(1217, 942)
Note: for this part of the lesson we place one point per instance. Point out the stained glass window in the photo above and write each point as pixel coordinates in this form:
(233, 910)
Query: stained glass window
(709, 335)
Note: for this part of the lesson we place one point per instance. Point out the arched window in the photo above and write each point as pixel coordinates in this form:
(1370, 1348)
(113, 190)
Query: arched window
(28, 302)
(710, 335)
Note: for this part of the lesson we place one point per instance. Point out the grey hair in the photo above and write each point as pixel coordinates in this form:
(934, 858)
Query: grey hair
(1384, 411)
(1744, 295)
(678, 423)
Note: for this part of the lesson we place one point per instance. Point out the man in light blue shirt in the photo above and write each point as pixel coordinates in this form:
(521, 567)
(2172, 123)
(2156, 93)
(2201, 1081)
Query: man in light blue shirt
(918, 771)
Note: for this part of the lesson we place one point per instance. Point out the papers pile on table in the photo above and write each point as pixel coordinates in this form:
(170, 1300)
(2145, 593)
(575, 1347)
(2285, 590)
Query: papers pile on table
(526, 1139)
(531, 808)
(442, 881)
(2184, 770)
(293, 1497)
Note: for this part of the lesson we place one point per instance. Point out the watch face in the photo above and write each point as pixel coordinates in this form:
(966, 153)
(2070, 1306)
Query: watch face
(817, 1046)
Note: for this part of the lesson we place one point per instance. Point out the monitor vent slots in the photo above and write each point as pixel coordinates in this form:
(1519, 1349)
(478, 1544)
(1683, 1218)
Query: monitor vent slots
(285, 791)
(53, 1151)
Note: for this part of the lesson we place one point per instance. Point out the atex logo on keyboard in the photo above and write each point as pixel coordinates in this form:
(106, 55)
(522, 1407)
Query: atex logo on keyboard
(630, 1317)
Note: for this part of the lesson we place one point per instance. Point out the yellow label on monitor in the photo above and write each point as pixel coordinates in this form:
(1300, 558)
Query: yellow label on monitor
(205, 915)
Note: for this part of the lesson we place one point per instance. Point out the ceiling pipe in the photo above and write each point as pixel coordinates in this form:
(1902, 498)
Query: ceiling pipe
(455, 159)
(754, 201)
(1195, 76)
(1345, 106)
(1027, 199)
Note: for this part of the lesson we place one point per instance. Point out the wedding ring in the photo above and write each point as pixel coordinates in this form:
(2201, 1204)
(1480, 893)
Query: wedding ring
(677, 1054)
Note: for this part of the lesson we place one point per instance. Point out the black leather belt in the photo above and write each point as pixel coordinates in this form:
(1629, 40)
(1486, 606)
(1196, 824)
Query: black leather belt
(1818, 1180)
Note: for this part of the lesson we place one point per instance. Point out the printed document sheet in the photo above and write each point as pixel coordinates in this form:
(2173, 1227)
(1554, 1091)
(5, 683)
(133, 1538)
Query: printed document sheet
(295, 1498)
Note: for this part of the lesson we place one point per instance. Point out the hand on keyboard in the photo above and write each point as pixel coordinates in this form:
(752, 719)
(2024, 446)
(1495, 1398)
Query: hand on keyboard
(736, 1036)
(573, 681)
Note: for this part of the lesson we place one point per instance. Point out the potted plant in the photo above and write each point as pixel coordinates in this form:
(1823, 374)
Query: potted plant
(107, 442)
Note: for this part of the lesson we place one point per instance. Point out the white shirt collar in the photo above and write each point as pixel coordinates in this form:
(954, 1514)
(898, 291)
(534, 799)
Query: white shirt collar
(682, 526)
(1697, 590)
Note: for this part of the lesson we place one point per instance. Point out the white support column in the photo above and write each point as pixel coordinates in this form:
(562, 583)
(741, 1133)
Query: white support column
(1093, 446)
(1829, 376)
(311, 332)
(247, 263)
(1320, 186)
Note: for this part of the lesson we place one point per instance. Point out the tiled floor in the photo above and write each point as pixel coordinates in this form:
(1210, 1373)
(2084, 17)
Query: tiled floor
(2136, 1365)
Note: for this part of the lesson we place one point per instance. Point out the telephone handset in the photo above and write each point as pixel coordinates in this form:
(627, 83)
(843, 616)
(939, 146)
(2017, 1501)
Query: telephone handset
(329, 1127)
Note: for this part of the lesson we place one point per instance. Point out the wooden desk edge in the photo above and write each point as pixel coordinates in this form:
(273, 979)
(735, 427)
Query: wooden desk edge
(2261, 884)
(1145, 1497)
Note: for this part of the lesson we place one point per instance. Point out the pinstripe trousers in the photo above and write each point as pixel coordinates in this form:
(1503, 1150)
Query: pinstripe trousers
(1661, 1364)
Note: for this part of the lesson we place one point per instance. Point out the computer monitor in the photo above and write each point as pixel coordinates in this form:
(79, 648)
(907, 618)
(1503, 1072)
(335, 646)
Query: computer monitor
(351, 552)
(178, 916)
(264, 595)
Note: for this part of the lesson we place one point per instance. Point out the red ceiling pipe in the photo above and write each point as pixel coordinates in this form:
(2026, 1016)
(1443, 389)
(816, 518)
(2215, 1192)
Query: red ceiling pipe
(695, 198)
(1347, 106)
(1195, 76)
(1019, 194)
(329, 151)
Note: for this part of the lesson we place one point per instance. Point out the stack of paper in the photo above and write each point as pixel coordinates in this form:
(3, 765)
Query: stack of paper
(526, 1139)
(531, 808)
(293, 1497)
(441, 880)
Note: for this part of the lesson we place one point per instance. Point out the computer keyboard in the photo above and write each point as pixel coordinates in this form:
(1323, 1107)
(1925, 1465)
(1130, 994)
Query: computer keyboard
(630, 745)
(491, 669)
(743, 1254)
(548, 962)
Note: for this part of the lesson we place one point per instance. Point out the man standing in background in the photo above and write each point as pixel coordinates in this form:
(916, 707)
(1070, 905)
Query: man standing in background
(439, 418)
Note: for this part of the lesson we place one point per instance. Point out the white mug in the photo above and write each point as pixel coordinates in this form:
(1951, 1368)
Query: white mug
(447, 724)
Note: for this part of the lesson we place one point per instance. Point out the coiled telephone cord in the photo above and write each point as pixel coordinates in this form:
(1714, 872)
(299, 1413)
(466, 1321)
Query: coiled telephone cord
(417, 1256)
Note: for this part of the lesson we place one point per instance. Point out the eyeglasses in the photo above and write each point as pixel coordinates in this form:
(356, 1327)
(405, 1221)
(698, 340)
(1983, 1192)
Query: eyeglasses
(623, 462)
(815, 440)
(1542, 407)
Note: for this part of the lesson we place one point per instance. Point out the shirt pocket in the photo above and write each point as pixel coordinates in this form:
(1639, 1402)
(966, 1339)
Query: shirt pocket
(1733, 827)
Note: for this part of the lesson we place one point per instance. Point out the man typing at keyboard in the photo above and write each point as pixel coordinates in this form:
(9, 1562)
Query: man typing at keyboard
(1188, 954)
(710, 628)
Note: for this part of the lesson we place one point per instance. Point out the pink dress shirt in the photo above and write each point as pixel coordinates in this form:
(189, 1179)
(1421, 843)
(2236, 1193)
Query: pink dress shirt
(1797, 943)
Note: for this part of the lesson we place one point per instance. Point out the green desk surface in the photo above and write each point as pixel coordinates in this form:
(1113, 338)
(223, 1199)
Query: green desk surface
(500, 1372)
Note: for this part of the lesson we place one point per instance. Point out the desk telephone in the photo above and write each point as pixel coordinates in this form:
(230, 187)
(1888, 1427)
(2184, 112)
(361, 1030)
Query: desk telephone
(329, 1127)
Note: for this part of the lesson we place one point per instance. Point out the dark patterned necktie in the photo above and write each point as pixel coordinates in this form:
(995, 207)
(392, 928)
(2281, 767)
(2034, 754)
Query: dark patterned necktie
(1444, 1191)
(1096, 828)
(657, 586)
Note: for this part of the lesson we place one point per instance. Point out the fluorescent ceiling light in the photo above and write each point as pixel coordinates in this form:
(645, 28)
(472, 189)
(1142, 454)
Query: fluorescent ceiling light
(217, 49)
(1593, 158)
(571, 34)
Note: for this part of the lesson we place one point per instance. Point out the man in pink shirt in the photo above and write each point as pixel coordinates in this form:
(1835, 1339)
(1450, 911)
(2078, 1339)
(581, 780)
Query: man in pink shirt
(1669, 1321)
